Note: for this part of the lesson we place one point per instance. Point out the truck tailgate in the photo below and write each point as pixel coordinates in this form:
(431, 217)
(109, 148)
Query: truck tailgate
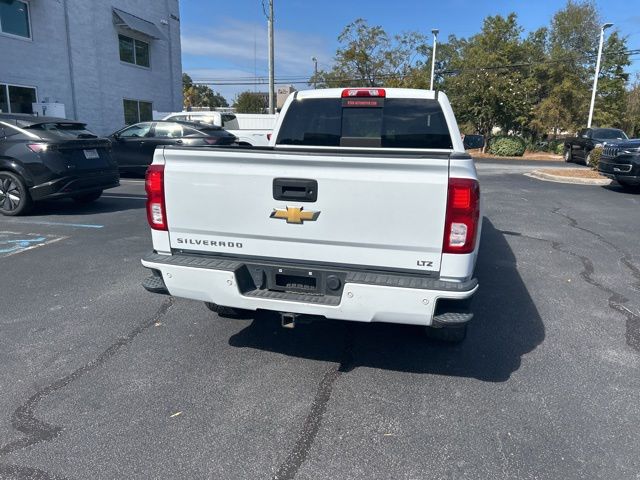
(382, 210)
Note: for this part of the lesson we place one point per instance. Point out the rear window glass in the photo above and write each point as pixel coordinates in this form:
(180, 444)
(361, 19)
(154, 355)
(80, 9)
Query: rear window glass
(397, 123)
(192, 132)
(65, 130)
(230, 121)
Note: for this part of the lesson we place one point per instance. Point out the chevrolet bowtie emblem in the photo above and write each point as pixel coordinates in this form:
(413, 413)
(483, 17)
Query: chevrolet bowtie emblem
(294, 214)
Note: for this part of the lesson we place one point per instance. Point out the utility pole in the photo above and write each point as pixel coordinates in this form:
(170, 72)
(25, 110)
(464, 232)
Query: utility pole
(315, 71)
(595, 77)
(271, 69)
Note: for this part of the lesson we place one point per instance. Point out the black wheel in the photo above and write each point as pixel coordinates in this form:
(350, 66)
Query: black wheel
(448, 334)
(567, 155)
(229, 312)
(587, 160)
(87, 197)
(14, 195)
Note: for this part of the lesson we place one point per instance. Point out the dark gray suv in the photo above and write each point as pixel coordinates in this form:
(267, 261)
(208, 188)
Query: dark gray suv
(46, 157)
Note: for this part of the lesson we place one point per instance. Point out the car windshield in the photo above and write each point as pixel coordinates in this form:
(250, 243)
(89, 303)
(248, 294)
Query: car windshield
(65, 130)
(609, 134)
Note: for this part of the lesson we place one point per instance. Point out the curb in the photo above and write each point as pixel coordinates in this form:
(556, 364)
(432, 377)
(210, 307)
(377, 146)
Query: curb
(548, 177)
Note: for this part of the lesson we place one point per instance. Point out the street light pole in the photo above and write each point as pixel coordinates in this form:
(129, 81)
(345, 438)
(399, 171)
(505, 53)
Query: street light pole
(595, 77)
(435, 32)
(271, 68)
(315, 71)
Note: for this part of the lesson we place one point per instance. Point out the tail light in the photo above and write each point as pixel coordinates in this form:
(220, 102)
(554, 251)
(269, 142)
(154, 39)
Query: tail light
(269, 136)
(364, 92)
(463, 214)
(211, 140)
(40, 147)
(154, 186)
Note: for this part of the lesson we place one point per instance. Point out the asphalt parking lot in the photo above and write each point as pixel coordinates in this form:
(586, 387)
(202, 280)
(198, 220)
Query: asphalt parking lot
(103, 380)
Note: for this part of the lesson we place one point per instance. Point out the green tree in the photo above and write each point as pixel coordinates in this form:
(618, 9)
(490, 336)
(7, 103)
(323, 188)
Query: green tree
(564, 78)
(250, 102)
(631, 123)
(369, 57)
(485, 88)
(533, 85)
(195, 95)
(448, 60)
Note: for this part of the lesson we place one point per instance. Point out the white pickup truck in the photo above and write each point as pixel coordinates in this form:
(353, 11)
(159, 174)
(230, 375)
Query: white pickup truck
(365, 207)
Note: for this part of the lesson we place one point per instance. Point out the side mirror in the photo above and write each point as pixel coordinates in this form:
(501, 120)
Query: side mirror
(472, 142)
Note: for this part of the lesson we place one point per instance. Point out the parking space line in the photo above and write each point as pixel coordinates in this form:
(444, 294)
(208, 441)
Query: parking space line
(62, 224)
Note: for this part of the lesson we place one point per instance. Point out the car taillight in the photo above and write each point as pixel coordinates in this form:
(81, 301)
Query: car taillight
(269, 136)
(364, 92)
(211, 140)
(39, 147)
(463, 214)
(154, 186)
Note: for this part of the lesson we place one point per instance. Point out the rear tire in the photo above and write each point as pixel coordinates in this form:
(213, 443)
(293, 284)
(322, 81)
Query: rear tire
(567, 155)
(14, 195)
(448, 334)
(87, 197)
(229, 312)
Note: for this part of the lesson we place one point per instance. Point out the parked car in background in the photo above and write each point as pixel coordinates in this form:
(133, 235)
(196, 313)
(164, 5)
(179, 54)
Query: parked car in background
(579, 147)
(46, 157)
(133, 146)
(226, 138)
(621, 162)
(249, 129)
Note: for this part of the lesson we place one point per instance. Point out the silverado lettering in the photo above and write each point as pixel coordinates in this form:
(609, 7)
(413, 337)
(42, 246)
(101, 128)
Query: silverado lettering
(208, 243)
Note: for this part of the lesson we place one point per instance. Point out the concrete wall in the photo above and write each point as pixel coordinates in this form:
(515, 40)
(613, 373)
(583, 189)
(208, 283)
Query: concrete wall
(89, 77)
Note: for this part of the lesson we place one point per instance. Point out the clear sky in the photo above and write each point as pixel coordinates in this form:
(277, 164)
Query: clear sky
(226, 41)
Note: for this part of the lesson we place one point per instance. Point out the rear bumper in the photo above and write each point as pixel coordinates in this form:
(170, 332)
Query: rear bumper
(365, 297)
(76, 184)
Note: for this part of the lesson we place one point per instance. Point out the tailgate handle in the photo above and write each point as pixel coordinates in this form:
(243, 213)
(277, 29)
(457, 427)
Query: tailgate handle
(298, 189)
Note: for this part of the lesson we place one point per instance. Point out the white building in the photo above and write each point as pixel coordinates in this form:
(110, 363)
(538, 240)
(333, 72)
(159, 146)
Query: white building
(107, 62)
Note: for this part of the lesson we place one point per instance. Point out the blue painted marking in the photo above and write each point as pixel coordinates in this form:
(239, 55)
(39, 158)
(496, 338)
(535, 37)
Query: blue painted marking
(19, 244)
(79, 225)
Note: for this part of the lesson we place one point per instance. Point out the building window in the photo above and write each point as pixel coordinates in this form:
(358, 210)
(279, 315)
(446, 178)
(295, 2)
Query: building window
(137, 111)
(16, 99)
(14, 18)
(133, 51)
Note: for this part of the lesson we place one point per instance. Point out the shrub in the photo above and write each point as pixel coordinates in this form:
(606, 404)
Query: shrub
(596, 153)
(560, 148)
(505, 146)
